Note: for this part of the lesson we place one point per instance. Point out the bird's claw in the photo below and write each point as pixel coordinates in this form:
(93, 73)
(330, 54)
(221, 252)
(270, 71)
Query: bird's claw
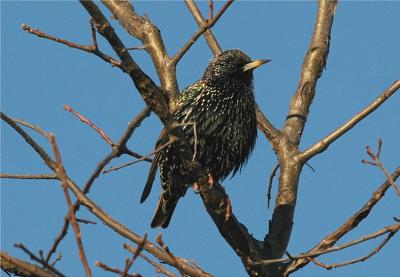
(210, 182)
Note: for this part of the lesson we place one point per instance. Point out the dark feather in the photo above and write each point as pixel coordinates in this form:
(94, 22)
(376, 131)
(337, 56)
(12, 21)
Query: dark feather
(221, 105)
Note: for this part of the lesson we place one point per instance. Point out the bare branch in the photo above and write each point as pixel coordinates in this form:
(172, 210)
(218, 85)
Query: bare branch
(37, 259)
(159, 268)
(90, 123)
(323, 144)
(87, 48)
(349, 225)
(364, 258)
(31, 126)
(125, 232)
(22, 268)
(377, 162)
(313, 65)
(116, 152)
(114, 269)
(113, 168)
(39, 150)
(211, 6)
(392, 229)
(177, 263)
(62, 175)
(133, 124)
(143, 29)
(286, 147)
(129, 262)
(264, 125)
(207, 25)
(150, 92)
(208, 34)
(29, 176)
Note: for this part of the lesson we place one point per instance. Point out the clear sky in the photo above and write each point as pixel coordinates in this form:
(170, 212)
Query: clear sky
(39, 77)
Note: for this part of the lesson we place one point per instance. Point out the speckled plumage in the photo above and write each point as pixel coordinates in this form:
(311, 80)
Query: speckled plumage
(221, 105)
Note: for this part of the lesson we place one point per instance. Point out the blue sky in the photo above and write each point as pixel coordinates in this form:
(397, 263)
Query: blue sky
(39, 77)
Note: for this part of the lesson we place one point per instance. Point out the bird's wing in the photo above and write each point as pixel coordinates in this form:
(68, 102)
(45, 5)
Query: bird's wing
(179, 111)
(153, 168)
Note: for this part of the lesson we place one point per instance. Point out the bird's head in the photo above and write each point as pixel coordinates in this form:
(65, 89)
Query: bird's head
(232, 64)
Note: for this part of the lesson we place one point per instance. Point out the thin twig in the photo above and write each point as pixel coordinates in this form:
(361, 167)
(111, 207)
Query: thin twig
(142, 47)
(31, 126)
(19, 267)
(391, 230)
(361, 259)
(29, 176)
(177, 264)
(377, 162)
(116, 151)
(351, 223)
(324, 143)
(127, 233)
(90, 123)
(87, 48)
(94, 37)
(114, 168)
(207, 25)
(37, 259)
(58, 258)
(86, 221)
(114, 269)
(60, 171)
(129, 262)
(209, 36)
(159, 268)
(38, 149)
(211, 7)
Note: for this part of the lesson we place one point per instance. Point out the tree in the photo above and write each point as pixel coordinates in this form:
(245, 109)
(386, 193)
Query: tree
(285, 143)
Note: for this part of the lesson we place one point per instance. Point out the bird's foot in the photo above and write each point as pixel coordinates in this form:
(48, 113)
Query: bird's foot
(210, 183)
(196, 188)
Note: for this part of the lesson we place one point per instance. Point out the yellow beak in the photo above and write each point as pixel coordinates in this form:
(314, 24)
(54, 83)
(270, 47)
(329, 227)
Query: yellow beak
(254, 64)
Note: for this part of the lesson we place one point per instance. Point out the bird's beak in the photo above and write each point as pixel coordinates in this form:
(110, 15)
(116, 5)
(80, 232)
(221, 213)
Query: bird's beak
(254, 64)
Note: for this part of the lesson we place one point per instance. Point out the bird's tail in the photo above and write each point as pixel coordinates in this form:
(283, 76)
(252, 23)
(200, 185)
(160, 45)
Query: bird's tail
(165, 209)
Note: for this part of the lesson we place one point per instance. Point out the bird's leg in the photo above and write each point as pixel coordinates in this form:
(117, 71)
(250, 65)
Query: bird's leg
(196, 188)
(228, 208)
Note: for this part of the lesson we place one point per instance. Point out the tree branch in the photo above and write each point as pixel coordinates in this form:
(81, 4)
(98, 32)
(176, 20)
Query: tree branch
(159, 268)
(117, 150)
(349, 225)
(206, 26)
(280, 227)
(19, 267)
(40, 260)
(87, 48)
(323, 144)
(208, 34)
(143, 29)
(369, 255)
(313, 65)
(29, 176)
(62, 175)
(392, 229)
(38, 149)
(125, 232)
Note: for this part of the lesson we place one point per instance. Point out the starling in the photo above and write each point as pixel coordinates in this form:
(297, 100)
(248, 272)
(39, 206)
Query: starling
(220, 108)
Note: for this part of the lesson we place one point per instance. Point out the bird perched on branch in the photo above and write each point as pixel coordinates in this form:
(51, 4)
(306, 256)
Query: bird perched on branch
(218, 119)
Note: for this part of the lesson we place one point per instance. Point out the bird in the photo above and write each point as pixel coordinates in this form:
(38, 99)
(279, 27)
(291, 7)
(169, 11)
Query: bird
(218, 119)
